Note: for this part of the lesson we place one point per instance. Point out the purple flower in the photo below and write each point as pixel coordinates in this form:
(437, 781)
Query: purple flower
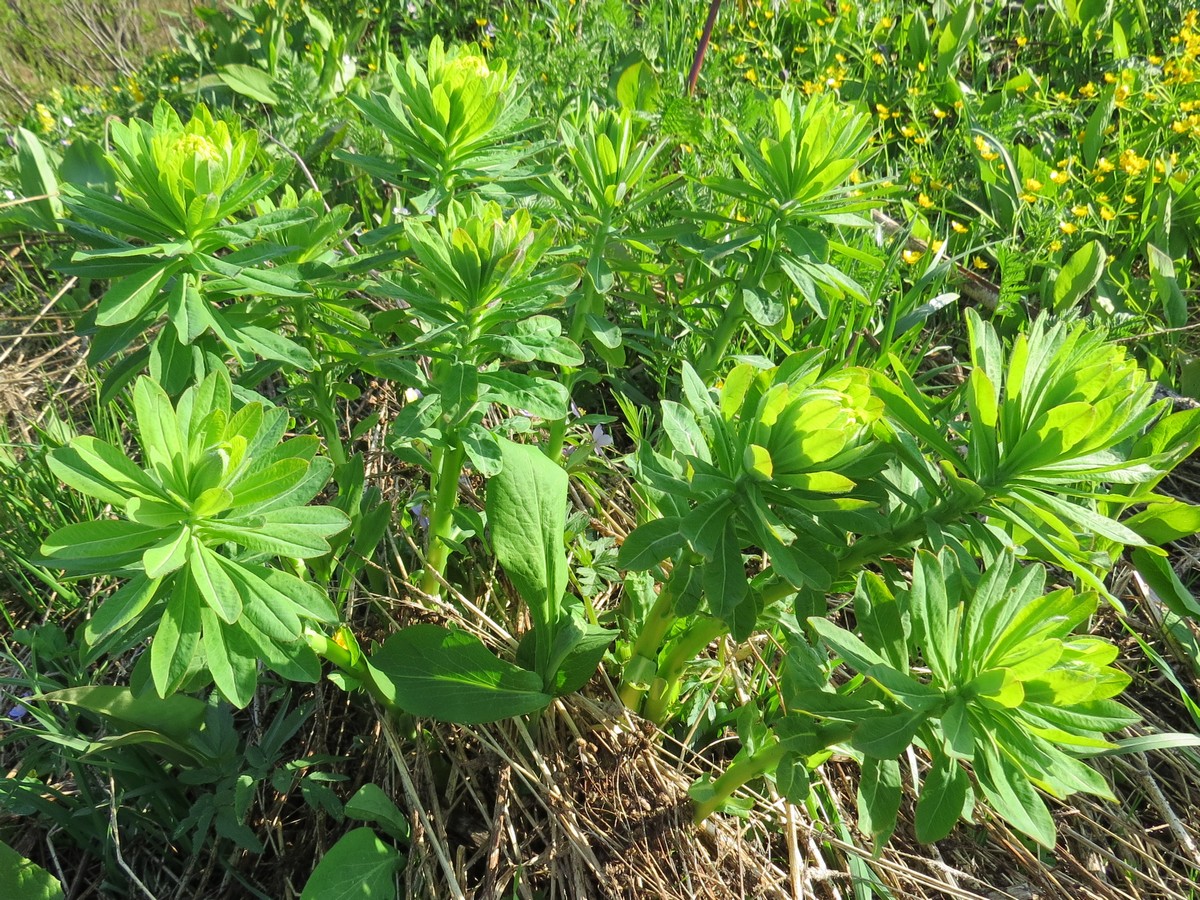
(601, 439)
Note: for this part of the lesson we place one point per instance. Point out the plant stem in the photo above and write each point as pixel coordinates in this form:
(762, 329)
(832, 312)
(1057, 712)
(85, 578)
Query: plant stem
(658, 622)
(665, 689)
(344, 660)
(441, 516)
(738, 774)
(731, 320)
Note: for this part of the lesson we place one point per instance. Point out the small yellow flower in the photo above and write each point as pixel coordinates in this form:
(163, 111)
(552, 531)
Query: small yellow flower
(1107, 214)
(1058, 176)
(939, 113)
(883, 112)
(916, 178)
(981, 264)
(924, 202)
(1033, 185)
(1067, 227)
(1029, 198)
(1088, 91)
(751, 76)
(45, 119)
(1080, 211)
(1129, 198)
(911, 256)
(1103, 165)
(936, 246)
(1022, 40)
(878, 58)
(1055, 245)
(959, 227)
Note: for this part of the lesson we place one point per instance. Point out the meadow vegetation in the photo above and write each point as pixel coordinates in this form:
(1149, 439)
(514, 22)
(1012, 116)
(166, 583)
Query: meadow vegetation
(446, 453)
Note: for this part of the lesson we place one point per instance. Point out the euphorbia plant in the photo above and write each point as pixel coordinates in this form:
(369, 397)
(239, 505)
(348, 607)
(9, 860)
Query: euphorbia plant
(980, 671)
(476, 298)
(1017, 455)
(182, 242)
(768, 256)
(216, 497)
(453, 124)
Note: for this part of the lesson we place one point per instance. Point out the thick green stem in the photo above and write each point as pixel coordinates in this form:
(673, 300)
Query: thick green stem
(441, 517)
(731, 320)
(346, 661)
(665, 689)
(738, 774)
(644, 661)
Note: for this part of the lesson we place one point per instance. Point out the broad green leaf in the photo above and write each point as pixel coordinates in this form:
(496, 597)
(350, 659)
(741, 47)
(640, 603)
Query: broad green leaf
(1166, 285)
(130, 296)
(371, 804)
(168, 554)
(451, 676)
(538, 396)
(357, 867)
(943, 797)
(249, 81)
(21, 879)
(121, 608)
(846, 645)
(649, 544)
(231, 659)
(725, 583)
(178, 716)
(101, 539)
(879, 792)
(215, 586)
(1013, 797)
(1164, 521)
(1079, 275)
(100, 470)
(1167, 587)
(527, 510)
(177, 638)
(887, 737)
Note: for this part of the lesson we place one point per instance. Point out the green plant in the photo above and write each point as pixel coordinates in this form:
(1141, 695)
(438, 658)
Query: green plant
(216, 496)
(791, 180)
(454, 124)
(975, 670)
(476, 301)
(178, 254)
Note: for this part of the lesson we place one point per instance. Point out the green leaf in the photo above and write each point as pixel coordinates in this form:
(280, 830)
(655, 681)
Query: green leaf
(451, 676)
(1160, 577)
(119, 609)
(178, 717)
(214, 584)
(649, 544)
(1166, 285)
(1079, 275)
(231, 658)
(725, 584)
(527, 511)
(249, 82)
(21, 879)
(130, 296)
(99, 540)
(371, 804)
(943, 797)
(177, 638)
(358, 866)
(538, 396)
(879, 792)
(1012, 796)
(167, 555)
(887, 737)
(1162, 522)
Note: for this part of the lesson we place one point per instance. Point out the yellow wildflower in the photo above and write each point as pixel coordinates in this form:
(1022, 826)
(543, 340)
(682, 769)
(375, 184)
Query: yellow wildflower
(911, 256)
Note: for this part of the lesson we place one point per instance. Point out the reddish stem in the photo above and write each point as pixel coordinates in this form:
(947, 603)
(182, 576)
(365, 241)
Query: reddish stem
(713, 8)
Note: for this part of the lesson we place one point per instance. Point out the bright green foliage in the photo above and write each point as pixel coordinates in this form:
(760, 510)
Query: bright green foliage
(451, 675)
(1031, 436)
(452, 123)
(792, 180)
(771, 462)
(217, 495)
(477, 300)
(359, 865)
(977, 669)
(612, 178)
(171, 249)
